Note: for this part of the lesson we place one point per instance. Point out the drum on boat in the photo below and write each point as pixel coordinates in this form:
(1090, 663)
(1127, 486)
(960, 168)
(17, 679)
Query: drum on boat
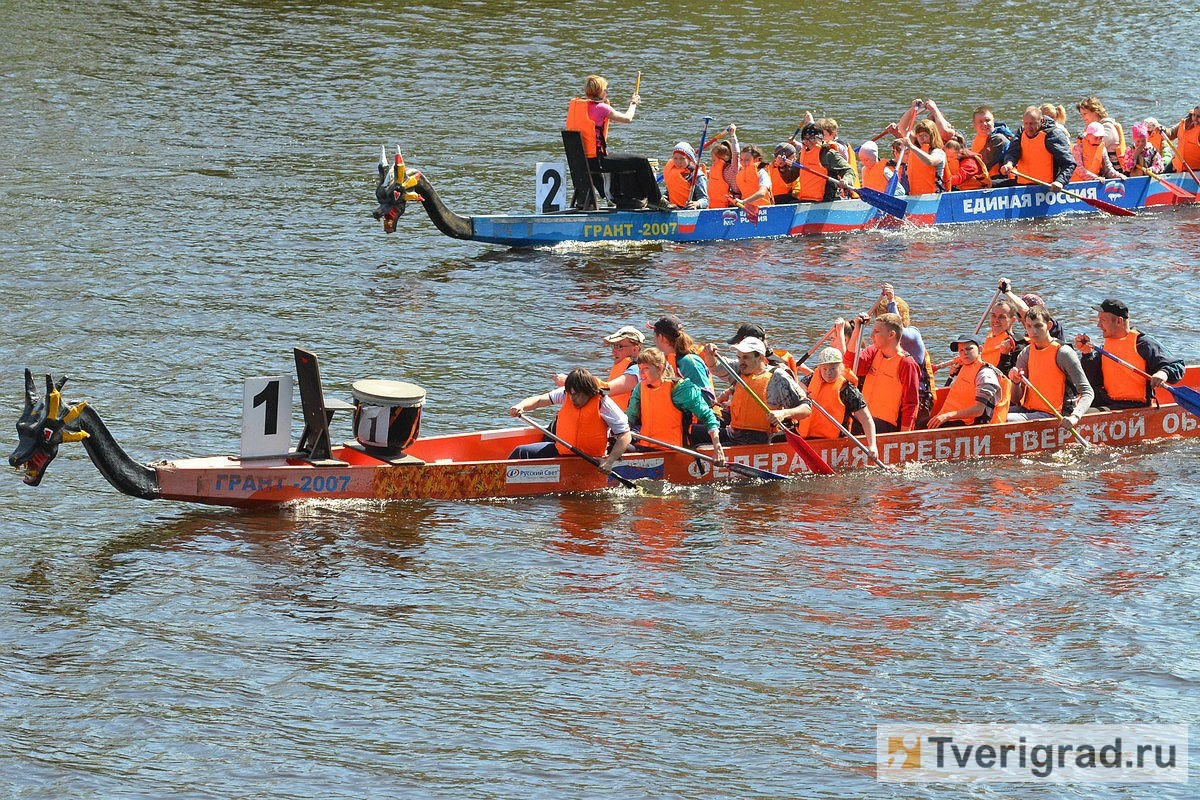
(387, 414)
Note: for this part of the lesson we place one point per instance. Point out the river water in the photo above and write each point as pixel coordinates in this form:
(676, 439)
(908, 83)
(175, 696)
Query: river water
(184, 196)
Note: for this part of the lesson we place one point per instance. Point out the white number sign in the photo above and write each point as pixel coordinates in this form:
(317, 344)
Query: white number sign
(266, 416)
(551, 187)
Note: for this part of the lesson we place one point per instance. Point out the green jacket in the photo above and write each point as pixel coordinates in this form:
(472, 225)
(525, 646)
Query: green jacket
(685, 396)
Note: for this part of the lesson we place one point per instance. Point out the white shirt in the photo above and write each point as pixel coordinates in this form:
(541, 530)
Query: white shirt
(610, 412)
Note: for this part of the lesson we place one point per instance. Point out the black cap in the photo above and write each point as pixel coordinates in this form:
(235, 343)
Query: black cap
(965, 338)
(787, 150)
(810, 131)
(669, 325)
(748, 329)
(1114, 307)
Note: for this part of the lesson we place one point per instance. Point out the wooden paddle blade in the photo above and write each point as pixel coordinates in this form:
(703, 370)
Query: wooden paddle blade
(812, 459)
(755, 472)
(1115, 210)
(1174, 188)
(884, 202)
(1187, 397)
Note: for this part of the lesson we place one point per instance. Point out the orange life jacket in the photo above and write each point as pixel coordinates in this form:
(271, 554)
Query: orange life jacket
(952, 160)
(875, 177)
(718, 187)
(1189, 146)
(811, 186)
(679, 187)
(1155, 138)
(786, 358)
(1122, 383)
(881, 387)
(618, 369)
(829, 397)
(1045, 374)
(744, 413)
(962, 392)
(991, 347)
(582, 427)
(1091, 159)
(1036, 161)
(977, 145)
(660, 418)
(778, 184)
(922, 178)
(595, 137)
(747, 182)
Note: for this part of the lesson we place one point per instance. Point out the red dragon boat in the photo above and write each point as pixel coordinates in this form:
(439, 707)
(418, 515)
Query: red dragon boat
(475, 465)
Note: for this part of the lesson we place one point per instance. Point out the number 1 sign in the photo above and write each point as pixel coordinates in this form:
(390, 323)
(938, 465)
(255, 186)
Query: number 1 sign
(267, 416)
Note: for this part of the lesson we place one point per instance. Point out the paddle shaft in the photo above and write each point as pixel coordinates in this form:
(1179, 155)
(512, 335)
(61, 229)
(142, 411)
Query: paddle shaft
(637, 84)
(987, 311)
(732, 466)
(1058, 415)
(1108, 208)
(1183, 161)
(595, 462)
(696, 166)
(803, 448)
(817, 346)
(870, 453)
(1173, 188)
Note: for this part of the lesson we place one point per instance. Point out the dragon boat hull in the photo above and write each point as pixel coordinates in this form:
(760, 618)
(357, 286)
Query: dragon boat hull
(475, 465)
(839, 216)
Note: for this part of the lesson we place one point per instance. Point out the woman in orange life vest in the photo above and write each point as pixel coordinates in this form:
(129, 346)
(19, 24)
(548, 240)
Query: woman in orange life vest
(1188, 134)
(783, 175)
(586, 418)
(1092, 110)
(875, 173)
(591, 115)
(1141, 157)
(663, 405)
(1056, 372)
(829, 387)
(1092, 162)
(976, 396)
(965, 169)
(1118, 386)
(925, 165)
(722, 177)
(1041, 152)
(753, 182)
(676, 177)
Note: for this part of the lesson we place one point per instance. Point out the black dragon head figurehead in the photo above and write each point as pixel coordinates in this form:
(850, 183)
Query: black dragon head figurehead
(394, 189)
(46, 423)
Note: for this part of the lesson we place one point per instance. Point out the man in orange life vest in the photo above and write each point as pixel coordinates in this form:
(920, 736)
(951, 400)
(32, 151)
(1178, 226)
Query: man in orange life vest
(1118, 386)
(988, 143)
(1188, 134)
(889, 377)
(748, 421)
(820, 159)
(586, 418)
(829, 387)
(975, 393)
(1054, 369)
(1041, 151)
(625, 345)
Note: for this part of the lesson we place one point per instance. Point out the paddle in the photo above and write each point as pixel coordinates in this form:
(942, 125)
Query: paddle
(696, 166)
(1058, 415)
(1182, 161)
(870, 453)
(732, 466)
(987, 311)
(817, 346)
(1185, 396)
(872, 197)
(811, 457)
(1106, 207)
(1173, 188)
(751, 210)
(637, 84)
(595, 462)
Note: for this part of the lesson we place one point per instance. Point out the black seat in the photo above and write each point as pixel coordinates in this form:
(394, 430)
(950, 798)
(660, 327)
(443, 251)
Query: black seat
(584, 197)
(317, 410)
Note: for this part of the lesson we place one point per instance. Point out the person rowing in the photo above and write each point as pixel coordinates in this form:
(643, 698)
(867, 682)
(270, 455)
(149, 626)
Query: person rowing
(1002, 344)
(685, 188)
(1054, 370)
(1040, 152)
(722, 176)
(664, 405)
(819, 160)
(1092, 159)
(784, 173)
(1187, 153)
(748, 421)
(979, 393)
(1116, 385)
(681, 352)
(753, 182)
(624, 345)
(925, 165)
(889, 377)
(830, 388)
(586, 419)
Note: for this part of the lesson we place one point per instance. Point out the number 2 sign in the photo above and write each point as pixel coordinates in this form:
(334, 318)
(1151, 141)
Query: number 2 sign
(266, 416)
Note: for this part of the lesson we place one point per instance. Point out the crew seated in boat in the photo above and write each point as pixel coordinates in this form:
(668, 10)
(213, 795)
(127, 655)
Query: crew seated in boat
(783, 174)
(665, 405)
(829, 135)
(1092, 161)
(632, 182)
(624, 344)
(925, 163)
(1187, 132)
(820, 159)
(775, 356)
(722, 176)
(979, 393)
(747, 421)
(965, 170)
(912, 343)
(1041, 151)
(875, 173)
(586, 421)
(677, 179)
(1002, 344)
(829, 387)
(753, 182)
(1116, 385)
(1054, 370)
(890, 378)
(681, 352)
(1142, 156)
